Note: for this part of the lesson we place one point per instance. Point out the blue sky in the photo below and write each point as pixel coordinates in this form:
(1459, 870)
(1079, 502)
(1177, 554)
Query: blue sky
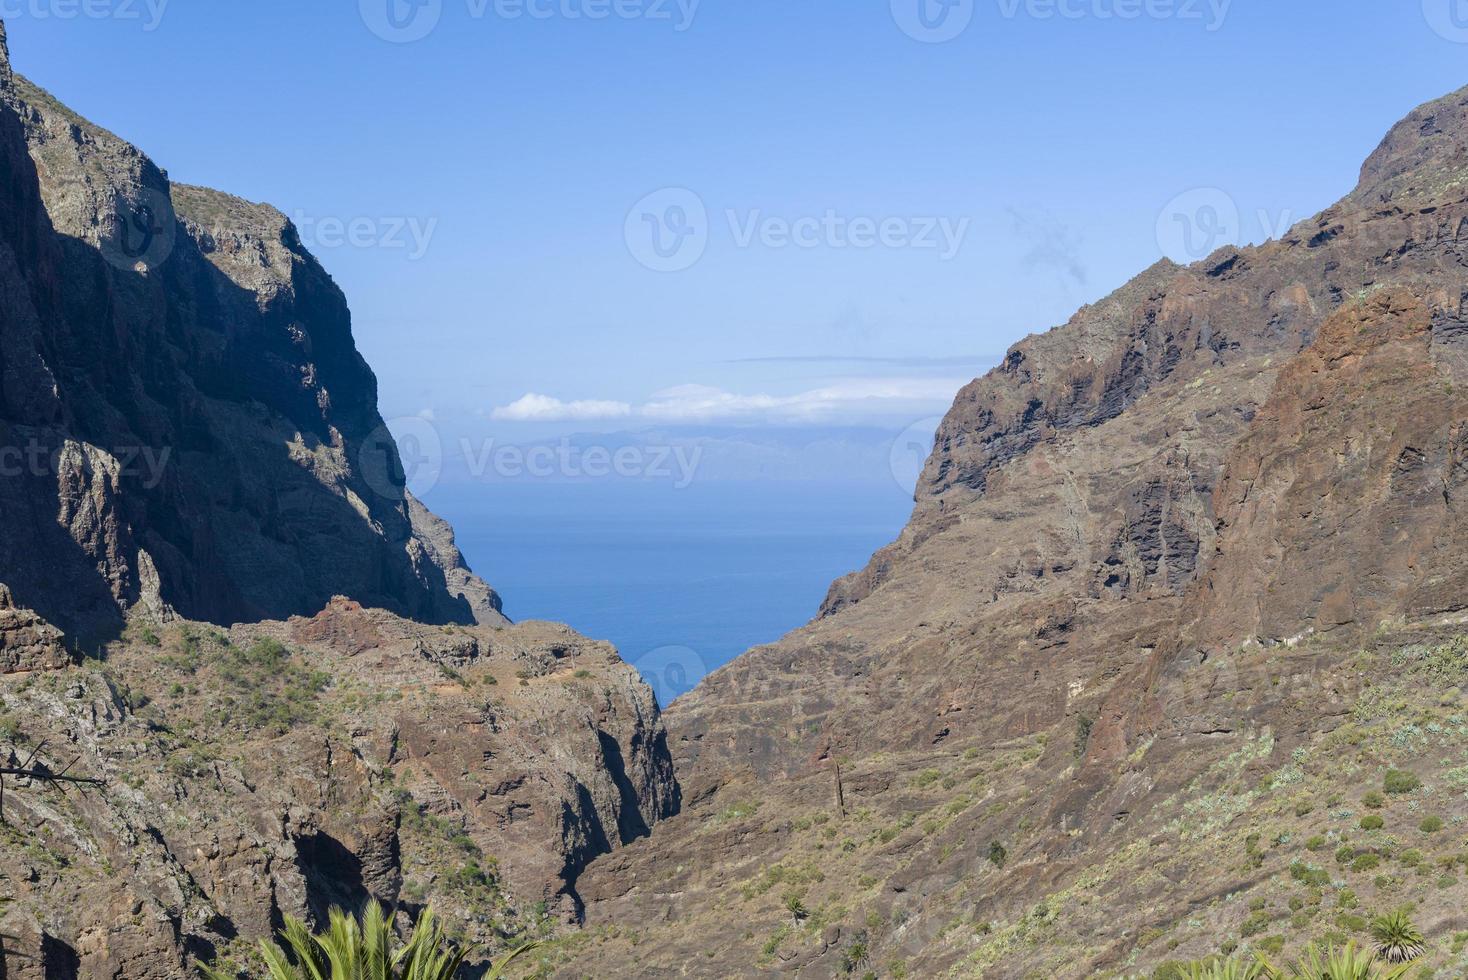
(948, 198)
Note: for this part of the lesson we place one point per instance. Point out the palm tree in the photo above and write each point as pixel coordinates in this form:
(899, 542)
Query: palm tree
(349, 950)
(1397, 939)
(798, 912)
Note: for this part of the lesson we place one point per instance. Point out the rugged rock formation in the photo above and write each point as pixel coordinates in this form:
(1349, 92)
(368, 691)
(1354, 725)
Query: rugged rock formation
(1157, 558)
(286, 767)
(189, 436)
(185, 422)
(28, 642)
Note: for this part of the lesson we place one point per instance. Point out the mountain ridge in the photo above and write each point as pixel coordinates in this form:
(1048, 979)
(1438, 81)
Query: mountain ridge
(219, 328)
(220, 603)
(1089, 613)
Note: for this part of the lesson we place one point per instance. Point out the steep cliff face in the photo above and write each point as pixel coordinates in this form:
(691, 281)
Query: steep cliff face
(283, 768)
(185, 421)
(1157, 559)
(189, 439)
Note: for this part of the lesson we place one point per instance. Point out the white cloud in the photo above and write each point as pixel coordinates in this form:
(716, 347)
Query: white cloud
(859, 398)
(543, 408)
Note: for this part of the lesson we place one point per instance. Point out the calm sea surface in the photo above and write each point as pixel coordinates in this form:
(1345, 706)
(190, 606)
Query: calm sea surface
(682, 581)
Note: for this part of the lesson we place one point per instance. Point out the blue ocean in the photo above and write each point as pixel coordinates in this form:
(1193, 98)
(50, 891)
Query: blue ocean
(681, 580)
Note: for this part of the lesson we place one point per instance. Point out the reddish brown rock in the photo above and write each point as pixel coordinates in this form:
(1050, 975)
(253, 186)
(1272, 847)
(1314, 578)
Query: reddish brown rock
(28, 642)
(1149, 556)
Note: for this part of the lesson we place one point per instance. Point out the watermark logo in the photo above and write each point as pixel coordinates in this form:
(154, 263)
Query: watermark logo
(668, 230)
(910, 452)
(411, 453)
(147, 13)
(406, 21)
(565, 460)
(141, 232)
(411, 235)
(672, 672)
(1210, 13)
(1196, 223)
(401, 21)
(146, 465)
(414, 443)
(1449, 18)
(933, 21)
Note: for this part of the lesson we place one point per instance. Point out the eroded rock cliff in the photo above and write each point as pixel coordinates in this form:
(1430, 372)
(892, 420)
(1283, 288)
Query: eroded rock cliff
(1185, 576)
(282, 768)
(185, 422)
(188, 440)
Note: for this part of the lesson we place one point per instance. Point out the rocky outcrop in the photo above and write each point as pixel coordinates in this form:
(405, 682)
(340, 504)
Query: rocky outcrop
(189, 437)
(1155, 559)
(185, 422)
(28, 642)
(288, 767)
(1338, 510)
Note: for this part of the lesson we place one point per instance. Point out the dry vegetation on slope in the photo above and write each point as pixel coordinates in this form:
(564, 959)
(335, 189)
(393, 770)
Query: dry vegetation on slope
(1092, 704)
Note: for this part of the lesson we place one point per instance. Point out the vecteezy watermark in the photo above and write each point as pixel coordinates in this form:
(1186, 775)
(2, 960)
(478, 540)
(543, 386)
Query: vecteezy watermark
(910, 452)
(1449, 18)
(1210, 13)
(409, 454)
(669, 231)
(410, 234)
(141, 232)
(1196, 223)
(671, 672)
(402, 454)
(933, 21)
(405, 21)
(144, 464)
(936, 21)
(148, 13)
(566, 460)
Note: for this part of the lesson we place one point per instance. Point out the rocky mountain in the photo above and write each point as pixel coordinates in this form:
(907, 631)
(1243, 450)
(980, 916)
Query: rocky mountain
(185, 422)
(189, 441)
(282, 768)
(1185, 580)
(1168, 662)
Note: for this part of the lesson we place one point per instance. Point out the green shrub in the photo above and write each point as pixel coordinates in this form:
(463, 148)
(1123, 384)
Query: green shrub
(926, 778)
(1083, 735)
(1365, 862)
(1256, 923)
(1372, 821)
(1273, 945)
(1373, 800)
(1431, 825)
(1316, 843)
(1399, 781)
(1302, 872)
